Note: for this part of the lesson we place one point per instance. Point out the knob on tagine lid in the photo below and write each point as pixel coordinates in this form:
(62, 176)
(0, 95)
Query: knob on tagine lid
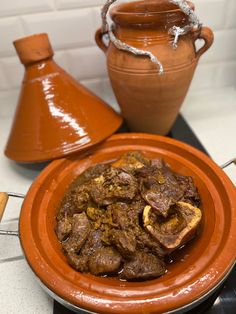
(55, 115)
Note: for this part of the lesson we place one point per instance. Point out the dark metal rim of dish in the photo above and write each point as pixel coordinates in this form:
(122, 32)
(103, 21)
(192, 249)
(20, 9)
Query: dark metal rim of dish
(181, 310)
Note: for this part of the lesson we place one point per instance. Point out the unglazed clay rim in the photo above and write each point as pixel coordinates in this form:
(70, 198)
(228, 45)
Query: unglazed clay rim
(29, 38)
(115, 10)
(131, 299)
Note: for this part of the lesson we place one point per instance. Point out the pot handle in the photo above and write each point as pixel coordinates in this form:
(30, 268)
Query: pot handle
(228, 163)
(99, 40)
(207, 35)
(3, 203)
(4, 196)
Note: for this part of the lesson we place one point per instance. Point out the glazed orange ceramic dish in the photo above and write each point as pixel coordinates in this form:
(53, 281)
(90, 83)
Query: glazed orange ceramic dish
(56, 115)
(202, 267)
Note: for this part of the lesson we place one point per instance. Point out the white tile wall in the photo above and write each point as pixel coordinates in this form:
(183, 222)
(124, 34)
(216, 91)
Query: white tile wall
(224, 47)
(67, 29)
(3, 80)
(97, 17)
(87, 59)
(71, 25)
(212, 12)
(230, 14)
(68, 4)
(226, 74)
(10, 29)
(61, 58)
(17, 7)
(207, 73)
(13, 71)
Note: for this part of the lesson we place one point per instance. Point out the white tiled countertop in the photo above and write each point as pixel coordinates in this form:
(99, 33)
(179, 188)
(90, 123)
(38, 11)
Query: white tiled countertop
(212, 116)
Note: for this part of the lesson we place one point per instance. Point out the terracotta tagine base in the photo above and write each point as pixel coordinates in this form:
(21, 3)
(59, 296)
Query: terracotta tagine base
(197, 272)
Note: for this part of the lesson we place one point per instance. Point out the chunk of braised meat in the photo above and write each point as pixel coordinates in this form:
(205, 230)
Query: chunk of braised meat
(74, 202)
(93, 243)
(158, 163)
(143, 238)
(77, 199)
(78, 262)
(175, 230)
(131, 161)
(190, 191)
(148, 243)
(93, 172)
(120, 215)
(79, 233)
(159, 188)
(143, 266)
(104, 261)
(63, 228)
(113, 186)
(127, 217)
(124, 242)
(102, 220)
(137, 205)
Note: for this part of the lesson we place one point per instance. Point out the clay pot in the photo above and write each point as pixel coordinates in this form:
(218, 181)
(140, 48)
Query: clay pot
(150, 102)
(197, 272)
(56, 115)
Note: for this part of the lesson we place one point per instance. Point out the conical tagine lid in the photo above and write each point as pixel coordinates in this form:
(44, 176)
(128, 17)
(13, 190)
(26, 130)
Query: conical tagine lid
(56, 115)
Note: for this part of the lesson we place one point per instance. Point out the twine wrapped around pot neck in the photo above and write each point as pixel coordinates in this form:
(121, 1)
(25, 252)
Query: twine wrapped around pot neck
(175, 31)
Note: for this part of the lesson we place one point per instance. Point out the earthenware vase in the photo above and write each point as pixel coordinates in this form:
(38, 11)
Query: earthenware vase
(150, 102)
(55, 115)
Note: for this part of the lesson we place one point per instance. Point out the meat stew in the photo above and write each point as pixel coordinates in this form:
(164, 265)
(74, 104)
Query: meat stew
(124, 218)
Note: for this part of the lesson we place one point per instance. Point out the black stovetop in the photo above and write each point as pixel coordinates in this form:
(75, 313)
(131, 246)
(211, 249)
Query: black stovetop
(224, 300)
